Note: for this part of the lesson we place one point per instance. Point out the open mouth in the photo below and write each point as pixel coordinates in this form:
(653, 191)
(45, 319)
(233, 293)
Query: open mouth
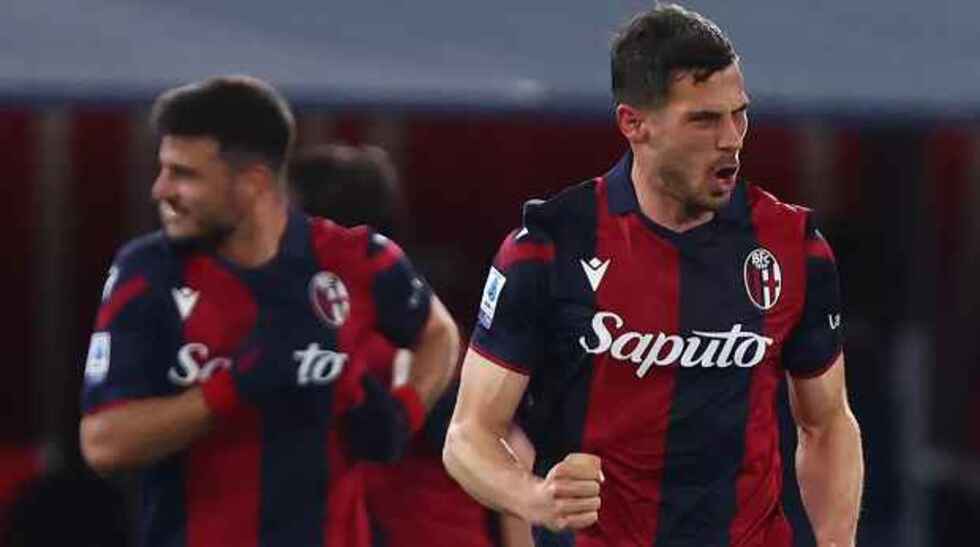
(726, 172)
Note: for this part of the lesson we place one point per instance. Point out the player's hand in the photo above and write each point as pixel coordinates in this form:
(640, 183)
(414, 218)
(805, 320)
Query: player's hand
(568, 498)
(253, 381)
(380, 427)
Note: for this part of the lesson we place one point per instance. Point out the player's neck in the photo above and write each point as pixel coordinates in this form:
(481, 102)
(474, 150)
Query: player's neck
(257, 238)
(662, 207)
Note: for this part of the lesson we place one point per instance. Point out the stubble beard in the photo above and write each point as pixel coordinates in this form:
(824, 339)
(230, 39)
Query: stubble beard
(684, 189)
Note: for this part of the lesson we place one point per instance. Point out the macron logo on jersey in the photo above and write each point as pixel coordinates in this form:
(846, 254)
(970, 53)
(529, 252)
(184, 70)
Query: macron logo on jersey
(703, 349)
(186, 299)
(595, 269)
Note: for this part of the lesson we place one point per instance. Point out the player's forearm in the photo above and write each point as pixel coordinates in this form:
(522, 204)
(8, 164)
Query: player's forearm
(435, 356)
(143, 431)
(482, 465)
(830, 470)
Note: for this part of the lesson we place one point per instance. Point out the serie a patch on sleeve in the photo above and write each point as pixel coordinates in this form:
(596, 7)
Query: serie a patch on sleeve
(97, 362)
(491, 295)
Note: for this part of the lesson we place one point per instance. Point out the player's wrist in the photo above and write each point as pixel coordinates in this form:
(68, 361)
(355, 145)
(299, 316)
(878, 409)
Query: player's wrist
(412, 404)
(221, 395)
(527, 504)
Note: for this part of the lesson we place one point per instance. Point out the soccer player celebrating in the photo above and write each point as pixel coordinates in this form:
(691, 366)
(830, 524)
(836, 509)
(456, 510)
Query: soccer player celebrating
(646, 319)
(220, 364)
(359, 185)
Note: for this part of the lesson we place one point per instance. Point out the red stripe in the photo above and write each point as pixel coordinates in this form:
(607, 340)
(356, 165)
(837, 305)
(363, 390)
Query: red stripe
(223, 470)
(633, 466)
(759, 518)
(819, 248)
(498, 361)
(513, 251)
(390, 254)
(412, 403)
(342, 252)
(345, 519)
(120, 296)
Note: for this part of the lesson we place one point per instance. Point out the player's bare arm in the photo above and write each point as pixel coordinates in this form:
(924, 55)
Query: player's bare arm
(515, 531)
(568, 498)
(139, 432)
(829, 459)
(435, 355)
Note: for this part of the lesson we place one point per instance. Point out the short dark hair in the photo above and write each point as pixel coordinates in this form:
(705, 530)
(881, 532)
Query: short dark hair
(656, 44)
(349, 185)
(248, 117)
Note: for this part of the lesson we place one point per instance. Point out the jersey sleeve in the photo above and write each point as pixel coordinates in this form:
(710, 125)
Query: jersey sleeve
(402, 297)
(123, 342)
(510, 324)
(817, 339)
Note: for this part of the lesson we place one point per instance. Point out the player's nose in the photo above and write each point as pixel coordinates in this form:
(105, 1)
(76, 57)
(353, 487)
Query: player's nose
(162, 188)
(730, 135)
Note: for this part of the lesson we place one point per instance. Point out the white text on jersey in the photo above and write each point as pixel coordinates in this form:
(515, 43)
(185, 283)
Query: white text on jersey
(717, 349)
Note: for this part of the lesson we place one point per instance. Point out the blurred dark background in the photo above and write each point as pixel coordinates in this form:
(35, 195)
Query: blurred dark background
(866, 113)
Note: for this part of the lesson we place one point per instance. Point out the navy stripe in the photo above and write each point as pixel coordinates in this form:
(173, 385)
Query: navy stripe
(294, 472)
(294, 468)
(163, 517)
(559, 390)
(705, 437)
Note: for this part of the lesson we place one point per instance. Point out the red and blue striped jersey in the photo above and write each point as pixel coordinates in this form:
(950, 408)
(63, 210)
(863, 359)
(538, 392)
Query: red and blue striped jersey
(277, 475)
(662, 353)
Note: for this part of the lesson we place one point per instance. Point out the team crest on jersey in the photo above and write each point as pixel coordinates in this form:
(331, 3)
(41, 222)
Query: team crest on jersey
(330, 298)
(763, 278)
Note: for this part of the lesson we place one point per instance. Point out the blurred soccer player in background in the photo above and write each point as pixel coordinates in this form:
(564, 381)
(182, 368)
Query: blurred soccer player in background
(220, 367)
(412, 502)
(651, 314)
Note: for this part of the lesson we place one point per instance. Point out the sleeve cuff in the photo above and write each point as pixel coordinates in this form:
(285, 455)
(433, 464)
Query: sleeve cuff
(412, 403)
(804, 374)
(513, 367)
(221, 396)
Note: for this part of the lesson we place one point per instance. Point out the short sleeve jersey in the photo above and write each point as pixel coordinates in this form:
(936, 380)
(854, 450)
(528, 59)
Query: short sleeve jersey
(662, 353)
(280, 475)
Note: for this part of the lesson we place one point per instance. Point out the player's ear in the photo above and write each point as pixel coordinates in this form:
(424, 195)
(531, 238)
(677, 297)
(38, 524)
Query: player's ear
(631, 122)
(255, 178)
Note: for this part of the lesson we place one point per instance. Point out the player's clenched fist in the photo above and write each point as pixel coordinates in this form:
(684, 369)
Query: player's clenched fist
(568, 498)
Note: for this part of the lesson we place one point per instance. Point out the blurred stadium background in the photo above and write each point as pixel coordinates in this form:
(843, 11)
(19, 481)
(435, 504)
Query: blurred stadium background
(866, 111)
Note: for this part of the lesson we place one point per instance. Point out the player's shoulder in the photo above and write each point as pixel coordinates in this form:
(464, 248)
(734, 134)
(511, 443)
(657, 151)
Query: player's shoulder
(545, 221)
(765, 207)
(149, 253)
(568, 208)
(352, 244)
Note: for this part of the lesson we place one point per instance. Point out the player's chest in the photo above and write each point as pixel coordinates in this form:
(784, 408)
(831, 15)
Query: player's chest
(704, 302)
(302, 315)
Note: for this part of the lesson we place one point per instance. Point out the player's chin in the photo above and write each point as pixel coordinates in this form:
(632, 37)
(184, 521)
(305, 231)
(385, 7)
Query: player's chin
(180, 231)
(716, 201)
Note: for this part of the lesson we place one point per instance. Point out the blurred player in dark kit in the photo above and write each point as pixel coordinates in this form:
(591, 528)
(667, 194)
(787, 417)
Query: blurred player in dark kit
(412, 502)
(220, 366)
(649, 315)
